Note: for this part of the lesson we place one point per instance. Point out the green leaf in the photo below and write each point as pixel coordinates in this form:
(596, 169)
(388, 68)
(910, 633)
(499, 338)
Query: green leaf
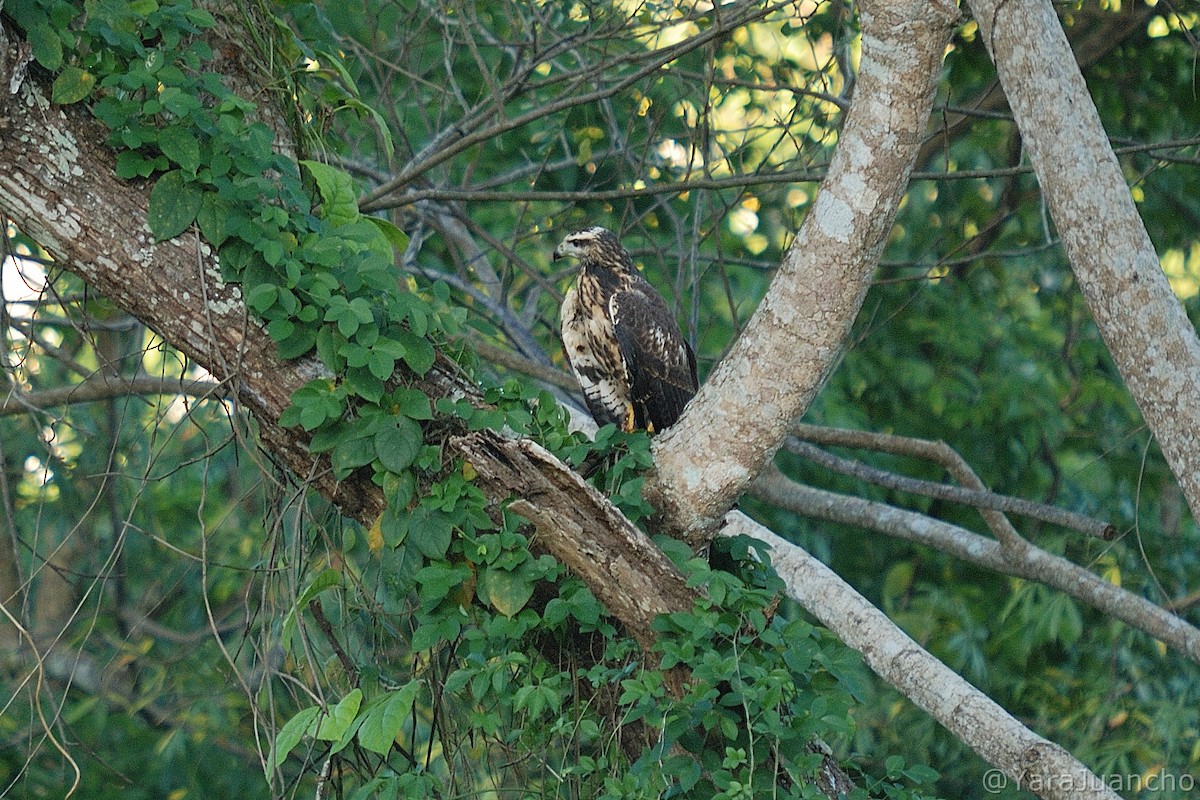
(412, 403)
(351, 454)
(418, 353)
(431, 634)
(335, 725)
(71, 86)
(289, 736)
(397, 238)
(262, 297)
(397, 446)
(386, 719)
(430, 531)
(46, 44)
(174, 204)
(364, 384)
(507, 590)
(181, 146)
(339, 202)
(215, 218)
(328, 579)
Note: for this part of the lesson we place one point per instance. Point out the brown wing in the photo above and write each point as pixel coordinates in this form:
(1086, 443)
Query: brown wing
(660, 364)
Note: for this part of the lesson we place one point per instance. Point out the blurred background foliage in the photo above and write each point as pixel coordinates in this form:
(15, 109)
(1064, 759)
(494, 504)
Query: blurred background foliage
(141, 523)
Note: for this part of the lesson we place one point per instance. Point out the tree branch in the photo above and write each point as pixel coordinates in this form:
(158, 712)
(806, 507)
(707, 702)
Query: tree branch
(800, 329)
(102, 386)
(1030, 562)
(999, 738)
(1143, 324)
(940, 453)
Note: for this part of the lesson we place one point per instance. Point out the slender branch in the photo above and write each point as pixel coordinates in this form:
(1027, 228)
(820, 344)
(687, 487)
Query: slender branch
(318, 612)
(105, 387)
(518, 363)
(463, 140)
(741, 181)
(1031, 562)
(978, 498)
(1142, 322)
(801, 328)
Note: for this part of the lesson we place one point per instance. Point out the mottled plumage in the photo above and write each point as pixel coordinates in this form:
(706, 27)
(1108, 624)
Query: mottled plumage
(623, 343)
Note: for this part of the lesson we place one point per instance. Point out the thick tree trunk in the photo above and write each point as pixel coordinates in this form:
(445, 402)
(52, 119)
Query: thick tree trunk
(1144, 325)
(799, 331)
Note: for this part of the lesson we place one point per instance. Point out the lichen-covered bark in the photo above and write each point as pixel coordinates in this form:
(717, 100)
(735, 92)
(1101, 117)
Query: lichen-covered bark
(1150, 337)
(799, 331)
(59, 186)
(57, 183)
(576, 524)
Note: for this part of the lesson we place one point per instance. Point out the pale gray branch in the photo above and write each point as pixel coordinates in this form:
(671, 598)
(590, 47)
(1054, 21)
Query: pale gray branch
(999, 738)
(1030, 562)
(977, 497)
(106, 387)
(801, 328)
(1143, 324)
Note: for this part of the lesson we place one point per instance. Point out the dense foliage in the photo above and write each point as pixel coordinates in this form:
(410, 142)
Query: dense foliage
(253, 643)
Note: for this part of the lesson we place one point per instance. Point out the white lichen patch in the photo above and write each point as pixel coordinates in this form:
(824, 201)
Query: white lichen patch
(227, 305)
(833, 217)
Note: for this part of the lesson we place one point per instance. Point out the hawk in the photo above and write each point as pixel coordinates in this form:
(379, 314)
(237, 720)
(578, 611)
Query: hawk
(623, 343)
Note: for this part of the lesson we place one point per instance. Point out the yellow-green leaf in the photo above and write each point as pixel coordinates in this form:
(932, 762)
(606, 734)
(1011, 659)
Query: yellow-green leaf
(72, 85)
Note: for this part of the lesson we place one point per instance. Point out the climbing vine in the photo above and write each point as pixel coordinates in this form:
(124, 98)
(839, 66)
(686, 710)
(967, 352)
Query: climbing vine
(454, 638)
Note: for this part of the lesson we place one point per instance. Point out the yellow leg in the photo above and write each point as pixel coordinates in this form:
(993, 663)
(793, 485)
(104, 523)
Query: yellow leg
(627, 424)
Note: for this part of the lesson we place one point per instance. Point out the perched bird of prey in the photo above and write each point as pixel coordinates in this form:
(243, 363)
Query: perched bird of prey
(635, 367)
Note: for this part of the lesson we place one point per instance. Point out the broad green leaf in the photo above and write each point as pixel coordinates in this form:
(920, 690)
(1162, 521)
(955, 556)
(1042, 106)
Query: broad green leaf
(289, 736)
(174, 204)
(262, 297)
(412, 403)
(71, 86)
(335, 725)
(326, 580)
(339, 202)
(385, 720)
(397, 238)
(181, 146)
(430, 531)
(397, 446)
(46, 44)
(507, 590)
(351, 454)
(418, 352)
(365, 384)
(214, 218)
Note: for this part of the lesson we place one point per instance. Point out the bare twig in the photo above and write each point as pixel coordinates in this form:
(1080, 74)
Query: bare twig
(105, 387)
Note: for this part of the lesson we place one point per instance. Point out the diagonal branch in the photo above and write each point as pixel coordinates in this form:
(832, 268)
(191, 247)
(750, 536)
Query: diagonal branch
(999, 738)
(973, 495)
(1030, 562)
(1143, 324)
(800, 329)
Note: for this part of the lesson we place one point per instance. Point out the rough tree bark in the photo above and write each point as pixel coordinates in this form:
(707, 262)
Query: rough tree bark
(799, 331)
(1150, 337)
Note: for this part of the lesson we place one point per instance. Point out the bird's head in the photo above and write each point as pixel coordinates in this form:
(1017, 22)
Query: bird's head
(595, 247)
